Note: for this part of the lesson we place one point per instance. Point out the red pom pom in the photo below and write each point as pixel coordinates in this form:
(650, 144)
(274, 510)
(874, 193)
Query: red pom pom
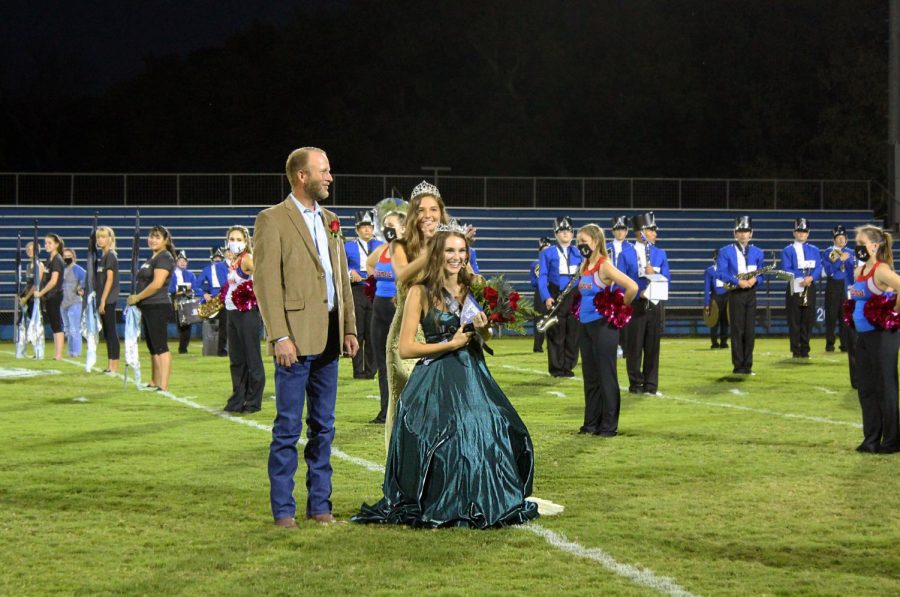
(879, 310)
(243, 296)
(847, 312)
(611, 305)
(369, 288)
(223, 292)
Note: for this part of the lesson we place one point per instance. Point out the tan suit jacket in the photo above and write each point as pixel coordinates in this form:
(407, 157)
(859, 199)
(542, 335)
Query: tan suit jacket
(289, 280)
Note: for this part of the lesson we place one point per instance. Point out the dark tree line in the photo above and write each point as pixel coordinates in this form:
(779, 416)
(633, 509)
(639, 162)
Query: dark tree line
(605, 87)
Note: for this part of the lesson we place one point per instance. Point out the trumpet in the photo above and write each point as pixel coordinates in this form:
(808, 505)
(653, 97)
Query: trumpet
(834, 255)
(551, 319)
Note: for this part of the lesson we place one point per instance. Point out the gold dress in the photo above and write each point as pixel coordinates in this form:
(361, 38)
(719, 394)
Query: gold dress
(398, 369)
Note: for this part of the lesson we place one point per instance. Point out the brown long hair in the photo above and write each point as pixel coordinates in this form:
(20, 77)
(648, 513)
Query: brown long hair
(433, 277)
(164, 232)
(883, 239)
(413, 240)
(60, 245)
(596, 234)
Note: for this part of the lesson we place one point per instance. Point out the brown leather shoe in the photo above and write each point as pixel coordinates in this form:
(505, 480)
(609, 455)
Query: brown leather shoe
(326, 518)
(286, 523)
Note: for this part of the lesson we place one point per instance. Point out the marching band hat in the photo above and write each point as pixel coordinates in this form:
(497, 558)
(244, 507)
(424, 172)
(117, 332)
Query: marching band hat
(544, 241)
(563, 223)
(743, 223)
(365, 217)
(180, 255)
(619, 222)
(644, 220)
(216, 252)
(801, 225)
(838, 231)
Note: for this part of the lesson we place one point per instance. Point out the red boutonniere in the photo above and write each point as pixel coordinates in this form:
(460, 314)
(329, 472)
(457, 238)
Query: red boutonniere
(334, 226)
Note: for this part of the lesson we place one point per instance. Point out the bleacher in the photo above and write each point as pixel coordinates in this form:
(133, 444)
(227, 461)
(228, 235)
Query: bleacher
(506, 243)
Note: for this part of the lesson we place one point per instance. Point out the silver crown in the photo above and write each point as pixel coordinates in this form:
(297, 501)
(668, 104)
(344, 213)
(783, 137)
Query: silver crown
(424, 188)
(453, 226)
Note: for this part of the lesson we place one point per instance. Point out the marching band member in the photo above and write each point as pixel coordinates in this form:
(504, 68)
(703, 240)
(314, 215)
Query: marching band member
(624, 258)
(837, 265)
(358, 251)
(248, 377)
(599, 340)
(558, 265)
(383, 307)
(644, 331)
(804, 261)
(876, 349)
(210, 282)
(714, 291)
(739, 259)
(539, 307)
(181, 286)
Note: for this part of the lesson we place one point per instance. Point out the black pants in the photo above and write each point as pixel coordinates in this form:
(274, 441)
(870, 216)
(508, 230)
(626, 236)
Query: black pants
(848, 339)
(562, 339)
(643, 334)
(248, 378)
(835, 293)
(364, 364)
(601, 381)
(718, 334)
(541, 310)
(184, 338)
(383, 313)
(53, 311)
(223, 332)
(800, 320)
(876, 359)
(108, 320)
(742, 312)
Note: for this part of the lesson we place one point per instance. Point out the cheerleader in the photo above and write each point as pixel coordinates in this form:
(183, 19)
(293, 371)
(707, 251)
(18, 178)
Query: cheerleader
(876, 348)
(379, 265)
(599, 340)
(107, 284)
(248, 377)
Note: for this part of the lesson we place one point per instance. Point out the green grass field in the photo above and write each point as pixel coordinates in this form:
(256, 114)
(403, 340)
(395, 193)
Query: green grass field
(106, 490)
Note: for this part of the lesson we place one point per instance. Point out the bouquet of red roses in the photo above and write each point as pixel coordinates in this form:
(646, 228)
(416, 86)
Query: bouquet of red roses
(501, 303)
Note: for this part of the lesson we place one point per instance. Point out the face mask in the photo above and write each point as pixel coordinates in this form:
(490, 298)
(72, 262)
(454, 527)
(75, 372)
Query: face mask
(68, 260)
(236, 247)
(862, 253)
(390, 234)
(585, 250)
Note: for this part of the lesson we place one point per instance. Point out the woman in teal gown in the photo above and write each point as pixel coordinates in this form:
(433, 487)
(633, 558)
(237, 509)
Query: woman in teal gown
(459, 455)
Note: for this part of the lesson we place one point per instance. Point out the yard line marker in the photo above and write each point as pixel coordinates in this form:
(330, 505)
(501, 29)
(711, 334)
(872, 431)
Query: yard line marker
(557, 394)
(762, 411)
(641, 576)
(826, 390)
(737, 392)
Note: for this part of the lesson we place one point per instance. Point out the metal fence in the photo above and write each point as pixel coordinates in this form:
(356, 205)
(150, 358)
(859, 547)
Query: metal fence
(25, 188)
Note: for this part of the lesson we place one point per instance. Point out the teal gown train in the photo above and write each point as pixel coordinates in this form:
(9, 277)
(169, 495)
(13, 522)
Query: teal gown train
(459, 454)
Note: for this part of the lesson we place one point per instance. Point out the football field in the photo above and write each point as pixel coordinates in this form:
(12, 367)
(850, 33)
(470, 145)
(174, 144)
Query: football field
(723, 485)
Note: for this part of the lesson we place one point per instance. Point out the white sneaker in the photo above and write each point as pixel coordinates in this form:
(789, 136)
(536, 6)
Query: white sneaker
(619, 353)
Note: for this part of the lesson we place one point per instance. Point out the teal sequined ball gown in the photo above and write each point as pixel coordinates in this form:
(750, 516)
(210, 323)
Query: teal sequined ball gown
(459, 456)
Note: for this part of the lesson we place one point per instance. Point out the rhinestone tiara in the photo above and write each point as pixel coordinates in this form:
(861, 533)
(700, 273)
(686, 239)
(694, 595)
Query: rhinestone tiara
(453, 226)
(424, 188)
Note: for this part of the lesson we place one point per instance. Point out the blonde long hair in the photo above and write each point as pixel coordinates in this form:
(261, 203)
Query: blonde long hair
(883, 239)
(596, 233)
(112, 237)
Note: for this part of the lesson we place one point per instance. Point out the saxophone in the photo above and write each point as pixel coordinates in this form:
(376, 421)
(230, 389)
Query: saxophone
(551, 318)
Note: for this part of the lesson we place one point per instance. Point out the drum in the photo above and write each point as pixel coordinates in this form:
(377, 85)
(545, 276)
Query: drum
(187, 311)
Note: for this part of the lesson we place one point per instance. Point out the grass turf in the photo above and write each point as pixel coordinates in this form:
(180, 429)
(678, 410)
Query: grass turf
(128, 492)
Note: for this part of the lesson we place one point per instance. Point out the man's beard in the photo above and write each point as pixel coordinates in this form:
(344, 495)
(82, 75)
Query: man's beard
(316, 190)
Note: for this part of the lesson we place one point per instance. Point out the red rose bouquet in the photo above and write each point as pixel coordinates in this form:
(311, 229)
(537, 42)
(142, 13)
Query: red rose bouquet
(501, 303)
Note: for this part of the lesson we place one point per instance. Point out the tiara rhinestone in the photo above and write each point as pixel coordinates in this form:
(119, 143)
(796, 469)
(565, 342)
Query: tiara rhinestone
(453, 226)
(424, 188)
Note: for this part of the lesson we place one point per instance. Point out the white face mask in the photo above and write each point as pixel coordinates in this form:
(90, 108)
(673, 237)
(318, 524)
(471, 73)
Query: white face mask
(237, 247)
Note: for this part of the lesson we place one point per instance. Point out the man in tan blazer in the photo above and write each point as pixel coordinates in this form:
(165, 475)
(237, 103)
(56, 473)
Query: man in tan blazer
(302, 285)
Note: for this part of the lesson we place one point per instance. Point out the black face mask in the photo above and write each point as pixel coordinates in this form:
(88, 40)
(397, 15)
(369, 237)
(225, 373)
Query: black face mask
(390, 234)
(68, 260)
(862, 253)
(585, 250)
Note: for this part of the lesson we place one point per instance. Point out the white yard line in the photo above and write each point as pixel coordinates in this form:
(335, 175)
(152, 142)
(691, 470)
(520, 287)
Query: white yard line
(761, 411)
(640, 576)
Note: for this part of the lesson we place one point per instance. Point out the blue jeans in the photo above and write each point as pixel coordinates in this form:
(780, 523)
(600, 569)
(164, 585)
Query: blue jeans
(72, 327)
(313, 379)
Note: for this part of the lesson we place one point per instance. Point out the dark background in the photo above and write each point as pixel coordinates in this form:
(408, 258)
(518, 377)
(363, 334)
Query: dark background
(705, 88)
